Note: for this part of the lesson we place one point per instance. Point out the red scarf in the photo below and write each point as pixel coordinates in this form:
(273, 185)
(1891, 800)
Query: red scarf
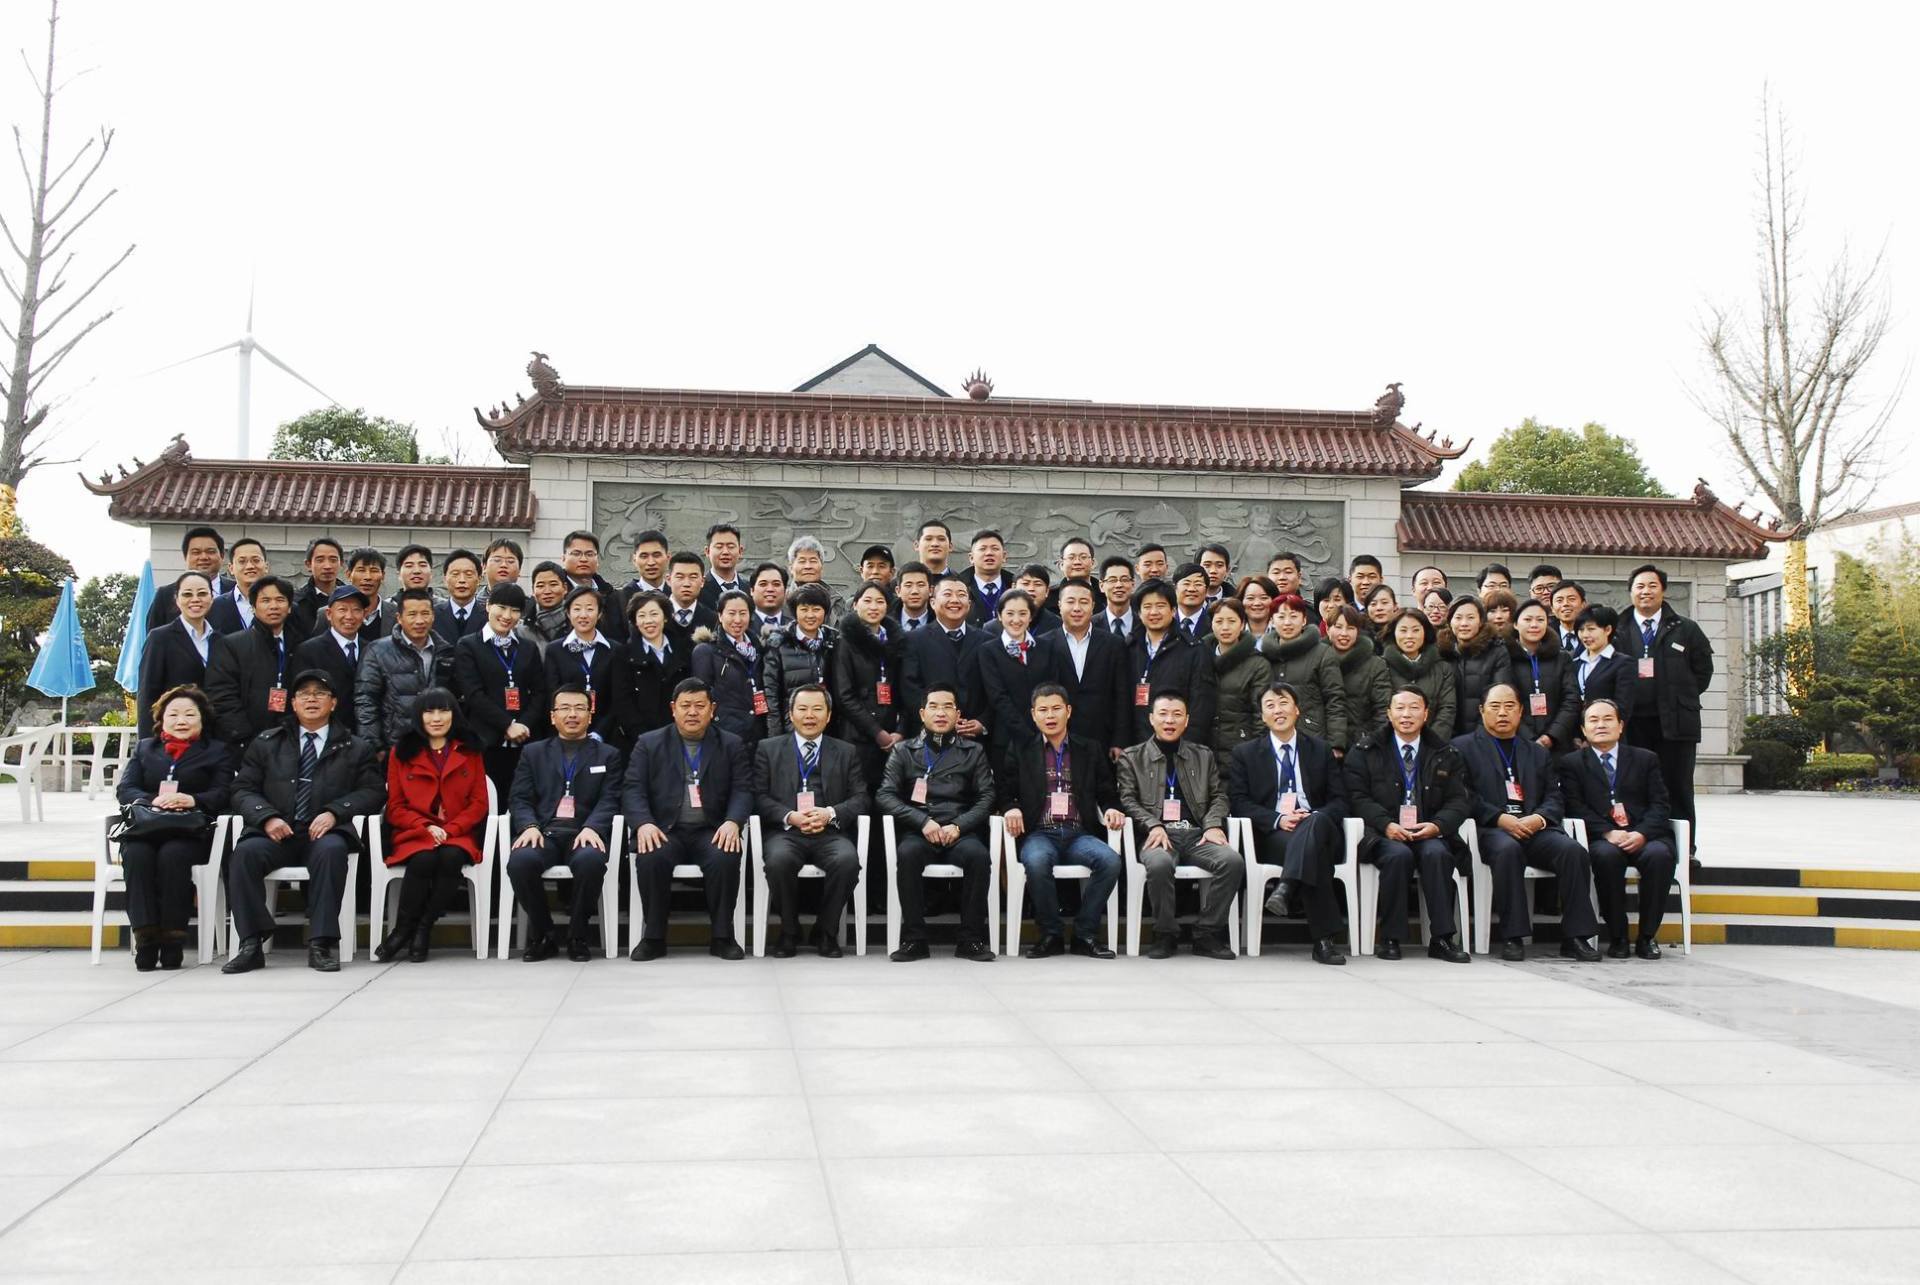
(174, 745)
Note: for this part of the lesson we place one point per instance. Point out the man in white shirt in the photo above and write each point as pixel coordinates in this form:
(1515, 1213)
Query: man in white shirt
(1116, 585)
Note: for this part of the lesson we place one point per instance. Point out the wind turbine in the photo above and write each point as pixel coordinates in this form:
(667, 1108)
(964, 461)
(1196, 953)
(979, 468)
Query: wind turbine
(244, 347)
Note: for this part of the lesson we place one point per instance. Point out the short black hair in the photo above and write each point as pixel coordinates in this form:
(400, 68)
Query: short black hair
(763, 568)
(1287, 555)
(511, 596)
(813, 594)
(727, 528)
(1076, 582)
(731, 596)
(407, 551)
(1415, 577)
(1168, 694)
(1608, 701)
(185, 576)
(1016, 595)
(1493, 568)
(584, 591)
(1072, 540)
(202, 533)
(1330, 585)
(693, 687)
(319, 540)
(1145, 549)
(1115, 560)
(1544, 569)
(271, 582)
(1155, 588)
(1365, 560)
(1038, 571)
(651, 536)
(366, 556)
(1642, 569)
(1597, 613)
(686, 557)
(568, 689)
(796, 693)
(458, 554)
(932, 522)
(234, 549)
(911, 568)
(1049, 689)
(1426, 626)
(641, 599)
(1220, 549)
(405, 596)
(939, 685)
(1574, 585)
(494, 546)
(540, 568)
(986, 533)
(582, 534)
(1410, 687)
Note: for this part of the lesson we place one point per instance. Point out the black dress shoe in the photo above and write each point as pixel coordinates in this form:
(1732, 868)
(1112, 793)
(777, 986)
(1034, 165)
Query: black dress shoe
(1329, 951)
(726, 948)
(1277, 901)
(1514, 950)
(1090, 946)
(1163, 945)
(784, 948)
(146, 956)
(539, 949)
(1448, 948)
(422, 942)
(1579, 948)
(827, 947)
(1647, 948)
(1387, 948)
(911, 950)
(171, 957)
(248, 957)
(1619, 948)
(579, 949)
(1212, 946)
(977, 951)
(322, 957)
(1051, 944)
(649, 948)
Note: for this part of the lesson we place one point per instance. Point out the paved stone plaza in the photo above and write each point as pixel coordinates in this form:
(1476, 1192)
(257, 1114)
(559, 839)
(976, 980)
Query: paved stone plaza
(1751, 1113)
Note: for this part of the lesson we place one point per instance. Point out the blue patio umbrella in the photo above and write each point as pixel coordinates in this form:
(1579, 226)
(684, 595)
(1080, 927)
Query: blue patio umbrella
(62, 668)
(134, 642)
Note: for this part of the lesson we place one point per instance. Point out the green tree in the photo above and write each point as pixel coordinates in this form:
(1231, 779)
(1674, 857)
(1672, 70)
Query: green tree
(103, 604)
(346, 436)
(1540, 459)
(30, 579)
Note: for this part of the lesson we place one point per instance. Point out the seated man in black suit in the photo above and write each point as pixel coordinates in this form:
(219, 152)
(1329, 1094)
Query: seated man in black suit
(1514, 793)
(298, 791)
(687, 797)
(1410, 788)
(1291, 788)
(561, 807)
(1062, 798)
(1618, 791)
(810, 794)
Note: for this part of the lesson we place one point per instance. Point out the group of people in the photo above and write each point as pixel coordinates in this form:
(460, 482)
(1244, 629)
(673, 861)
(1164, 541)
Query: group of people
(1070, 700)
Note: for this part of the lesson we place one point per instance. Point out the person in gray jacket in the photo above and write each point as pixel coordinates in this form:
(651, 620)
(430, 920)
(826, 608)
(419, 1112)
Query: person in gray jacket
(398, 668)
(1171, 791)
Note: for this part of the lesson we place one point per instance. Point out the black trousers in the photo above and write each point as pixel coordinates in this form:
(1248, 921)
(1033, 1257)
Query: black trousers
(160, 881)
(1397, 861)
(1551, 849)
(325, 859)
(430, 882)
(1310, 854)
(1676, 769)
(719, 879)
(525, 866)
(837, 857)
(1656, 863)
(913, 855)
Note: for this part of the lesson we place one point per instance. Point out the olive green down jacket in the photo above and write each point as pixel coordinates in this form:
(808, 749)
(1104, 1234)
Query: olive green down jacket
(1368, 685)
(1314, 671)
(1242, 674)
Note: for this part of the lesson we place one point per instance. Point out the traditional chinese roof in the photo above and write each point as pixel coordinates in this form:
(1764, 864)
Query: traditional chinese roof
(1490, 522)
(874, 369)
(178, 488)
(892, 429)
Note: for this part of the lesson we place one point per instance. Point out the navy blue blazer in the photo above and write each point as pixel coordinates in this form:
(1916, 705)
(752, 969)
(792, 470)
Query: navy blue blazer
(1612, 678)
(1253, 780)
(655, 788)
(539, 781)
(1638, 785)
(1533, 768)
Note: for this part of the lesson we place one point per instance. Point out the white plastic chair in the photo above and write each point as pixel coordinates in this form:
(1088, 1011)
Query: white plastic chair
(999, 843)
(209, 891)
(1240, 835)
(609, 892)
(349, 899)
(936, 871)
(1483, 881)
(1356, 830)
(636, 918)
(112, 748)
(479, 876)
(1137, 893)
(761, 912)
(20, 756)
(1682, 873)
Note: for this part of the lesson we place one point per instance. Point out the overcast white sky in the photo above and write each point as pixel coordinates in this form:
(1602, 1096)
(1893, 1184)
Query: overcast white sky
(1514, 213)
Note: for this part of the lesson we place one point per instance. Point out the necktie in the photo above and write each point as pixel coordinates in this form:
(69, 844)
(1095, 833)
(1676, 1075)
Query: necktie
(303, 788)
(915, 624)
(1606, 761)
(955, 634)
(1406, 756)
(353, 655)
(684, 616)
(1568, 642)
(1286, 767)
(809, 758)
(769, 622)
(460, 615)
(1646, 636)
(1191, 626)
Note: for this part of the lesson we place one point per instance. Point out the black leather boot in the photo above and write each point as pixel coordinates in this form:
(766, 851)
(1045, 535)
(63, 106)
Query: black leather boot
(395, 941)
(422, 939)
(146, 949)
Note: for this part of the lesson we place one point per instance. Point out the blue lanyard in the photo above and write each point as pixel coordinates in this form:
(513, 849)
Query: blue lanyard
(1613, 772)
(1173, 778)
(586, 665)
(694, 760)
(931, 759)
(1285, 770)
(800, 762)
(569, 764)
(1506, 757)
(280, 661)
(507, 657)
(1534, 660)
(1410, 778)
(1060, 764)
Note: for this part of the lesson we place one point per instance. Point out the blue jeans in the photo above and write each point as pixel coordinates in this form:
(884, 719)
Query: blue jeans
(1040, 852)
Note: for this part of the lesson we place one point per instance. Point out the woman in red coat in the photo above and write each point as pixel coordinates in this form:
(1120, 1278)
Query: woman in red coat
(437, 812)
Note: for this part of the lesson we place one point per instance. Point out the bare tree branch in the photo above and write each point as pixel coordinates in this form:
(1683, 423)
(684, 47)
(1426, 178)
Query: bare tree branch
(81, 297)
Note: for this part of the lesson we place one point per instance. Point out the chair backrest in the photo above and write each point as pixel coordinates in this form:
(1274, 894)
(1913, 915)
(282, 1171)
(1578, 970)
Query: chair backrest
(25, 749)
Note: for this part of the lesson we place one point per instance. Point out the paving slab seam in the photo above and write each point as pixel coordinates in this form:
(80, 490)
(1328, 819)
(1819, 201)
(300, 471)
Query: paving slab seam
(467, 1159)
(247, 1065)
(813, 1131)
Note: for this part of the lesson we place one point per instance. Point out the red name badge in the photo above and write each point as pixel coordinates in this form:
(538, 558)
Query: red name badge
(277, 701)
(1409, 817)
(1169, 809)
(1646, 667)
(1057, 804)
(1140, 694)
(1537, 704)
(1513, 791)
(593, 703)
(693, 795)
(1289, 803)
(512, 695)
(759, 702)
(920, 789)
(1619, 814)
(167, 787)
(883, 693)
(564, 812)
(803, 801)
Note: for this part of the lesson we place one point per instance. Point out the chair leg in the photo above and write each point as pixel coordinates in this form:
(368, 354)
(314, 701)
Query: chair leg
(1482, 906)
(1257, 877)
(760, 908)
(1016, 905)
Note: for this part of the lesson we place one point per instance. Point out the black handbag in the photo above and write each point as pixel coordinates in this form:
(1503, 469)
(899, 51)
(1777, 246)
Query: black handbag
(144, 821)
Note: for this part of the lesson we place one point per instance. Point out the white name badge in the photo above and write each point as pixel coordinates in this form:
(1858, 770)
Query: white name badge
(919, 789)
(564, 810)
(1170, 809)
(1646, 667)
(1537, 704)
(167, 787)
(1409, 817)
(693, 795)
(803, 801)
(1057, 804)
(1289, 803)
